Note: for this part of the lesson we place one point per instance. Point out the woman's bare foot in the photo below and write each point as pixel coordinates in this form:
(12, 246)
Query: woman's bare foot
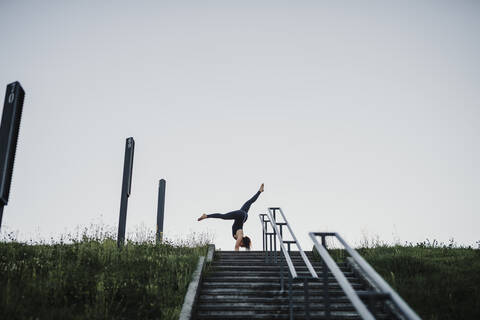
(204, 216)
(261, 188)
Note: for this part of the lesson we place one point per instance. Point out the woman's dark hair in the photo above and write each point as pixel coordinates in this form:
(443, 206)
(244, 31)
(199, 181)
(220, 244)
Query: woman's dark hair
(246, 243)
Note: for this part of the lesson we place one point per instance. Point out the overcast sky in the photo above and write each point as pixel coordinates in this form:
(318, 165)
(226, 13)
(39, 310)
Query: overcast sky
(359, 117)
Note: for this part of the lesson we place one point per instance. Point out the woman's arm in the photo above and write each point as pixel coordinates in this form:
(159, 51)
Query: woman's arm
(239, 239)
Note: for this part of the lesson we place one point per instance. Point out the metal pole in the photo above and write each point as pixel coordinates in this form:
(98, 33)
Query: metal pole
(264, 236)
(290, 305)
(1, 214)
(326, 297)
(126, 189)
(281, 276)
(324, 242)
(275, 238)
(275, 247)
(270, 236)
(307, 298)
(266, 246)
(160, 209)
(9, 130)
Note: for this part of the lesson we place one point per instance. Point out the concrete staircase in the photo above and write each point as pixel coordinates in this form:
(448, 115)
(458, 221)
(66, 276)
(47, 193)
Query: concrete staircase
(240, 285)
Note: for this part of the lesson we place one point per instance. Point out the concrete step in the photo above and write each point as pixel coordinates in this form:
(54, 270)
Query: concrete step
(259, 259)
(241, 285)
(270, 285)
(269, 263)
(271, 293)
(296, 263)
(262, 258)
(273, 273)
(229, 277)
(261, 254)
(281, 299)
(262, 308)
(256, 252)
(206, 315)
(251, 267)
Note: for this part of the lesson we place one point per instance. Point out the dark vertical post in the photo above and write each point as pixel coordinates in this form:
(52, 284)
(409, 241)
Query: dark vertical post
(160, 209)
(326, 294)
(1, 213)
(126, 189)
(9, 128)
(271, 247)
(275, 239)
(307, 298)
(290, 304)
(282, 287)
(265, 236)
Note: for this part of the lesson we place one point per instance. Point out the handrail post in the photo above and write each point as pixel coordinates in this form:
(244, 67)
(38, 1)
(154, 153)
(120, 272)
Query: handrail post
(326, 297)
(269, 250)
(290, 305)
(371, 302)
(324, 241)
(284, 256)
(275, 246)
(281, 276)
(326, 292)
(275, 238)
(265, 237)
(307, 306)
(376, 278)
(330, 264)
(263, 234)
(304, 257)
(276, 233)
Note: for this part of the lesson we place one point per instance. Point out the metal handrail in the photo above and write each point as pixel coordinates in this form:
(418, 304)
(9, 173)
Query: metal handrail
(342, 280)
(403, 307)
(264, 229)
(261, 222)
(302, 253)
(282, 246)
(382, 284)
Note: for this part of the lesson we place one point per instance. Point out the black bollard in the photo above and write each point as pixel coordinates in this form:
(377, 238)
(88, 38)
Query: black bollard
(160, 209)
(126, 189)
(10, 126)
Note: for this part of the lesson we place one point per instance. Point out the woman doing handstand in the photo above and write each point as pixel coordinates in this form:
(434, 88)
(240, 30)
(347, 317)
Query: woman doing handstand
(239, 217)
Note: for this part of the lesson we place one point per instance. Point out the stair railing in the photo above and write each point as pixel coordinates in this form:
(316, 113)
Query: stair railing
(271, 253)
(386, 292)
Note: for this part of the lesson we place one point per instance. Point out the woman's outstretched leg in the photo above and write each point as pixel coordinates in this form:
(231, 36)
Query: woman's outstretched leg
(225, 216)
(246, 205)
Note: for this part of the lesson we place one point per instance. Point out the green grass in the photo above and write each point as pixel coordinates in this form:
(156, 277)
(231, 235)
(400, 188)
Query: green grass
(92, 279)
(438, 281)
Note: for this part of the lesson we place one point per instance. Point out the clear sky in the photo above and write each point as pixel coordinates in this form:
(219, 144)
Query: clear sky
(359, 117)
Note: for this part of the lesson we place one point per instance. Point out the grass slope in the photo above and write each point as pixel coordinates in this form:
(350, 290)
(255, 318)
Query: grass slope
(437, 281)
(92, 279)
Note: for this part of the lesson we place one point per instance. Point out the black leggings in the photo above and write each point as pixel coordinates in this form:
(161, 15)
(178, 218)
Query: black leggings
(237, 214)
(240, 216)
